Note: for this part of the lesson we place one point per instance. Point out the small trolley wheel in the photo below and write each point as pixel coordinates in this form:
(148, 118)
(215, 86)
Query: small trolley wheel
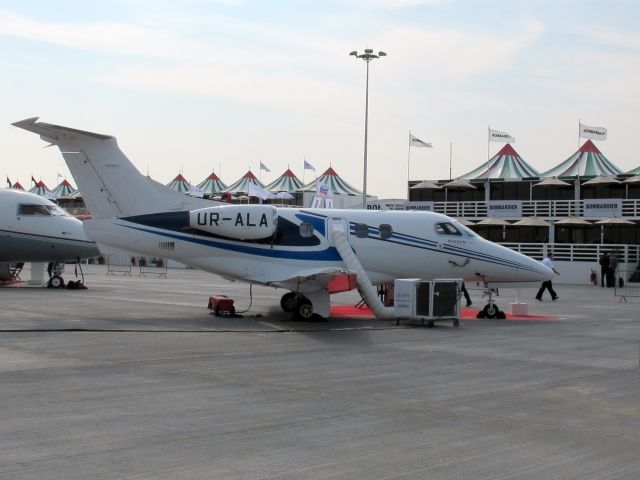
(431, 324)
(456, 322)
(216, 311)
(56, 282)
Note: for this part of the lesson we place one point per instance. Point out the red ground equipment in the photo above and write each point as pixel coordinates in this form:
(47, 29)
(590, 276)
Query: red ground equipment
(221, 304)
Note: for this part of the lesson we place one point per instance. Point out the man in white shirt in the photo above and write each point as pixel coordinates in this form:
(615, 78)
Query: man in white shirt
(548, 261)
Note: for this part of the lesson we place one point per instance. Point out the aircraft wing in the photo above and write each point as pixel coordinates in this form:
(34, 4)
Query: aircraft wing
(332, 279)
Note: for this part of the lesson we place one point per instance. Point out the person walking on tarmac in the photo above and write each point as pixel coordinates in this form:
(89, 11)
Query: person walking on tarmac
(604, 268)
(547, 285)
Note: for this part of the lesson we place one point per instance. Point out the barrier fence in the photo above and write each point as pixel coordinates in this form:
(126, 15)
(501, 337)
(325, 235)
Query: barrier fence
(157, 266)
(119, 264)
(124, 265)
(627, 284)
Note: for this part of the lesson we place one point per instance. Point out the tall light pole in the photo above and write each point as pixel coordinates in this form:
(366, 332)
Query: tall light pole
(367, 56)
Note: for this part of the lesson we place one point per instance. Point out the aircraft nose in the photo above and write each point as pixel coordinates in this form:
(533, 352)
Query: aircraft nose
(532, 270)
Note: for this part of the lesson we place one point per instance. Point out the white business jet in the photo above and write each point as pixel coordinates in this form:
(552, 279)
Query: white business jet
(34, 229)
(298, 249)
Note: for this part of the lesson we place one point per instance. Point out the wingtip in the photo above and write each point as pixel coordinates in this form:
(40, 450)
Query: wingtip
(25, 122)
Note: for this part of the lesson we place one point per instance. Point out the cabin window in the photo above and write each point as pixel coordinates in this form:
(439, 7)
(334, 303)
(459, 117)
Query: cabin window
(446, 228)
(38, 210)
(385, 231)
(306, 230)
(362, 230)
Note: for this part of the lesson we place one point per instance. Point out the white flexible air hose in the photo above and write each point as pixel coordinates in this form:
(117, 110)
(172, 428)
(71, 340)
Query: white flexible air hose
(366, 287)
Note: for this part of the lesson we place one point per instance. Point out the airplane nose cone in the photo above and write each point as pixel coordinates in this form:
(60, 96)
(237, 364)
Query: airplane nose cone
(536, 271)
(526, 269)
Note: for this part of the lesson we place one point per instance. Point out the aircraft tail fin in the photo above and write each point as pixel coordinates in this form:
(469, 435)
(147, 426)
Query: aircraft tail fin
(111, 186)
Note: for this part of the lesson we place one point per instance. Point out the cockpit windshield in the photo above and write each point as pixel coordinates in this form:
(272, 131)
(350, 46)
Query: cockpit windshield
(466, 230)
(447, 228)
(454, 229)
(56, 211)
(40, 210)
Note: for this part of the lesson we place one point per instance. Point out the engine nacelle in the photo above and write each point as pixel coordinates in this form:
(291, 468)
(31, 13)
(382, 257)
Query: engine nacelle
(242, 222)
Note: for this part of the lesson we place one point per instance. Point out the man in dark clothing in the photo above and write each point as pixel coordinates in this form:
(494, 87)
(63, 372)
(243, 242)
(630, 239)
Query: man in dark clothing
(466, 294)
(604, 268)
(613, 266)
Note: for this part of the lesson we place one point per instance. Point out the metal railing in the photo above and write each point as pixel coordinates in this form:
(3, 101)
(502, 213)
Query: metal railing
(577, 252)
(119, 264)
(156, 266)
(531, 208)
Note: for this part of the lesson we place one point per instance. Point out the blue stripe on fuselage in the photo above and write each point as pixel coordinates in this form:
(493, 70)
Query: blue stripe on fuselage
(327, 255)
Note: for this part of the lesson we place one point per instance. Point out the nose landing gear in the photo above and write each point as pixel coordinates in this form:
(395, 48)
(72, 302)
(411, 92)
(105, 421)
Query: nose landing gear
(490, 310)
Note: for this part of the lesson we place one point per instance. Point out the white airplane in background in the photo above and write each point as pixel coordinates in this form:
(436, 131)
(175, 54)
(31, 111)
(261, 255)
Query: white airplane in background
(297, 249)
(34, 229)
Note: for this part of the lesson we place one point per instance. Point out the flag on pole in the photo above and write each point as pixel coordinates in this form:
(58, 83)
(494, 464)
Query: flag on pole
(595, 133)
(308, 166)
(33, 180)
(323, 190)
(8, 182)
(196, 192)
(264, 167)
(416, 142)
(503, 137)
(258, 191)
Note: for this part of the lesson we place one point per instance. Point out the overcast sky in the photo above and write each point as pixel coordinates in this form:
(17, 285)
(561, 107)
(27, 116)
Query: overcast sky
(224, 84)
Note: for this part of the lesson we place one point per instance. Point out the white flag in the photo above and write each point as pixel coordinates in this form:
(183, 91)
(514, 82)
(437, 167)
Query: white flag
(258, 191)
(196, 192)
(596, 133)
(308, 166)
(503, 137)
(416, 142)
(264, 167)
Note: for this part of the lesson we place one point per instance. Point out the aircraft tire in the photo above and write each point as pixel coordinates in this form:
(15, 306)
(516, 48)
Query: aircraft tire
(56, 282)
(288, 302)
(304, 309)
(491, 310)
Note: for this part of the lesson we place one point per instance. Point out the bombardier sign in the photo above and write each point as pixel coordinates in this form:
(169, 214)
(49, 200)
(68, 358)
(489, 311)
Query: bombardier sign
(601, 207)
(504, 208)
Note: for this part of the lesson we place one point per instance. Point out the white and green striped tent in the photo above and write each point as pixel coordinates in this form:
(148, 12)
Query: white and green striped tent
(212, 185)
(588, 161)
(64, 189)
(635, 171)
(41, 189)
(332, 179)
(507, 164)
(287, 182)
(242, 185)
(180, 184)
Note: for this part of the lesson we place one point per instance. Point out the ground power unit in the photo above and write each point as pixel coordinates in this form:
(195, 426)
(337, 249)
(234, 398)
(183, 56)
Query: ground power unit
(428, 301)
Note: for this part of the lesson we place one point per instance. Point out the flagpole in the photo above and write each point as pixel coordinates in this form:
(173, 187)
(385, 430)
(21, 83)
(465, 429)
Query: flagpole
(488, 140)
(578, 132)
(450, 156)
(408, 163)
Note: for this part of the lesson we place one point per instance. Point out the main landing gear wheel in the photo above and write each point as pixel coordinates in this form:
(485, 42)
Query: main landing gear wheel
(289, 302)
(304, 309)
